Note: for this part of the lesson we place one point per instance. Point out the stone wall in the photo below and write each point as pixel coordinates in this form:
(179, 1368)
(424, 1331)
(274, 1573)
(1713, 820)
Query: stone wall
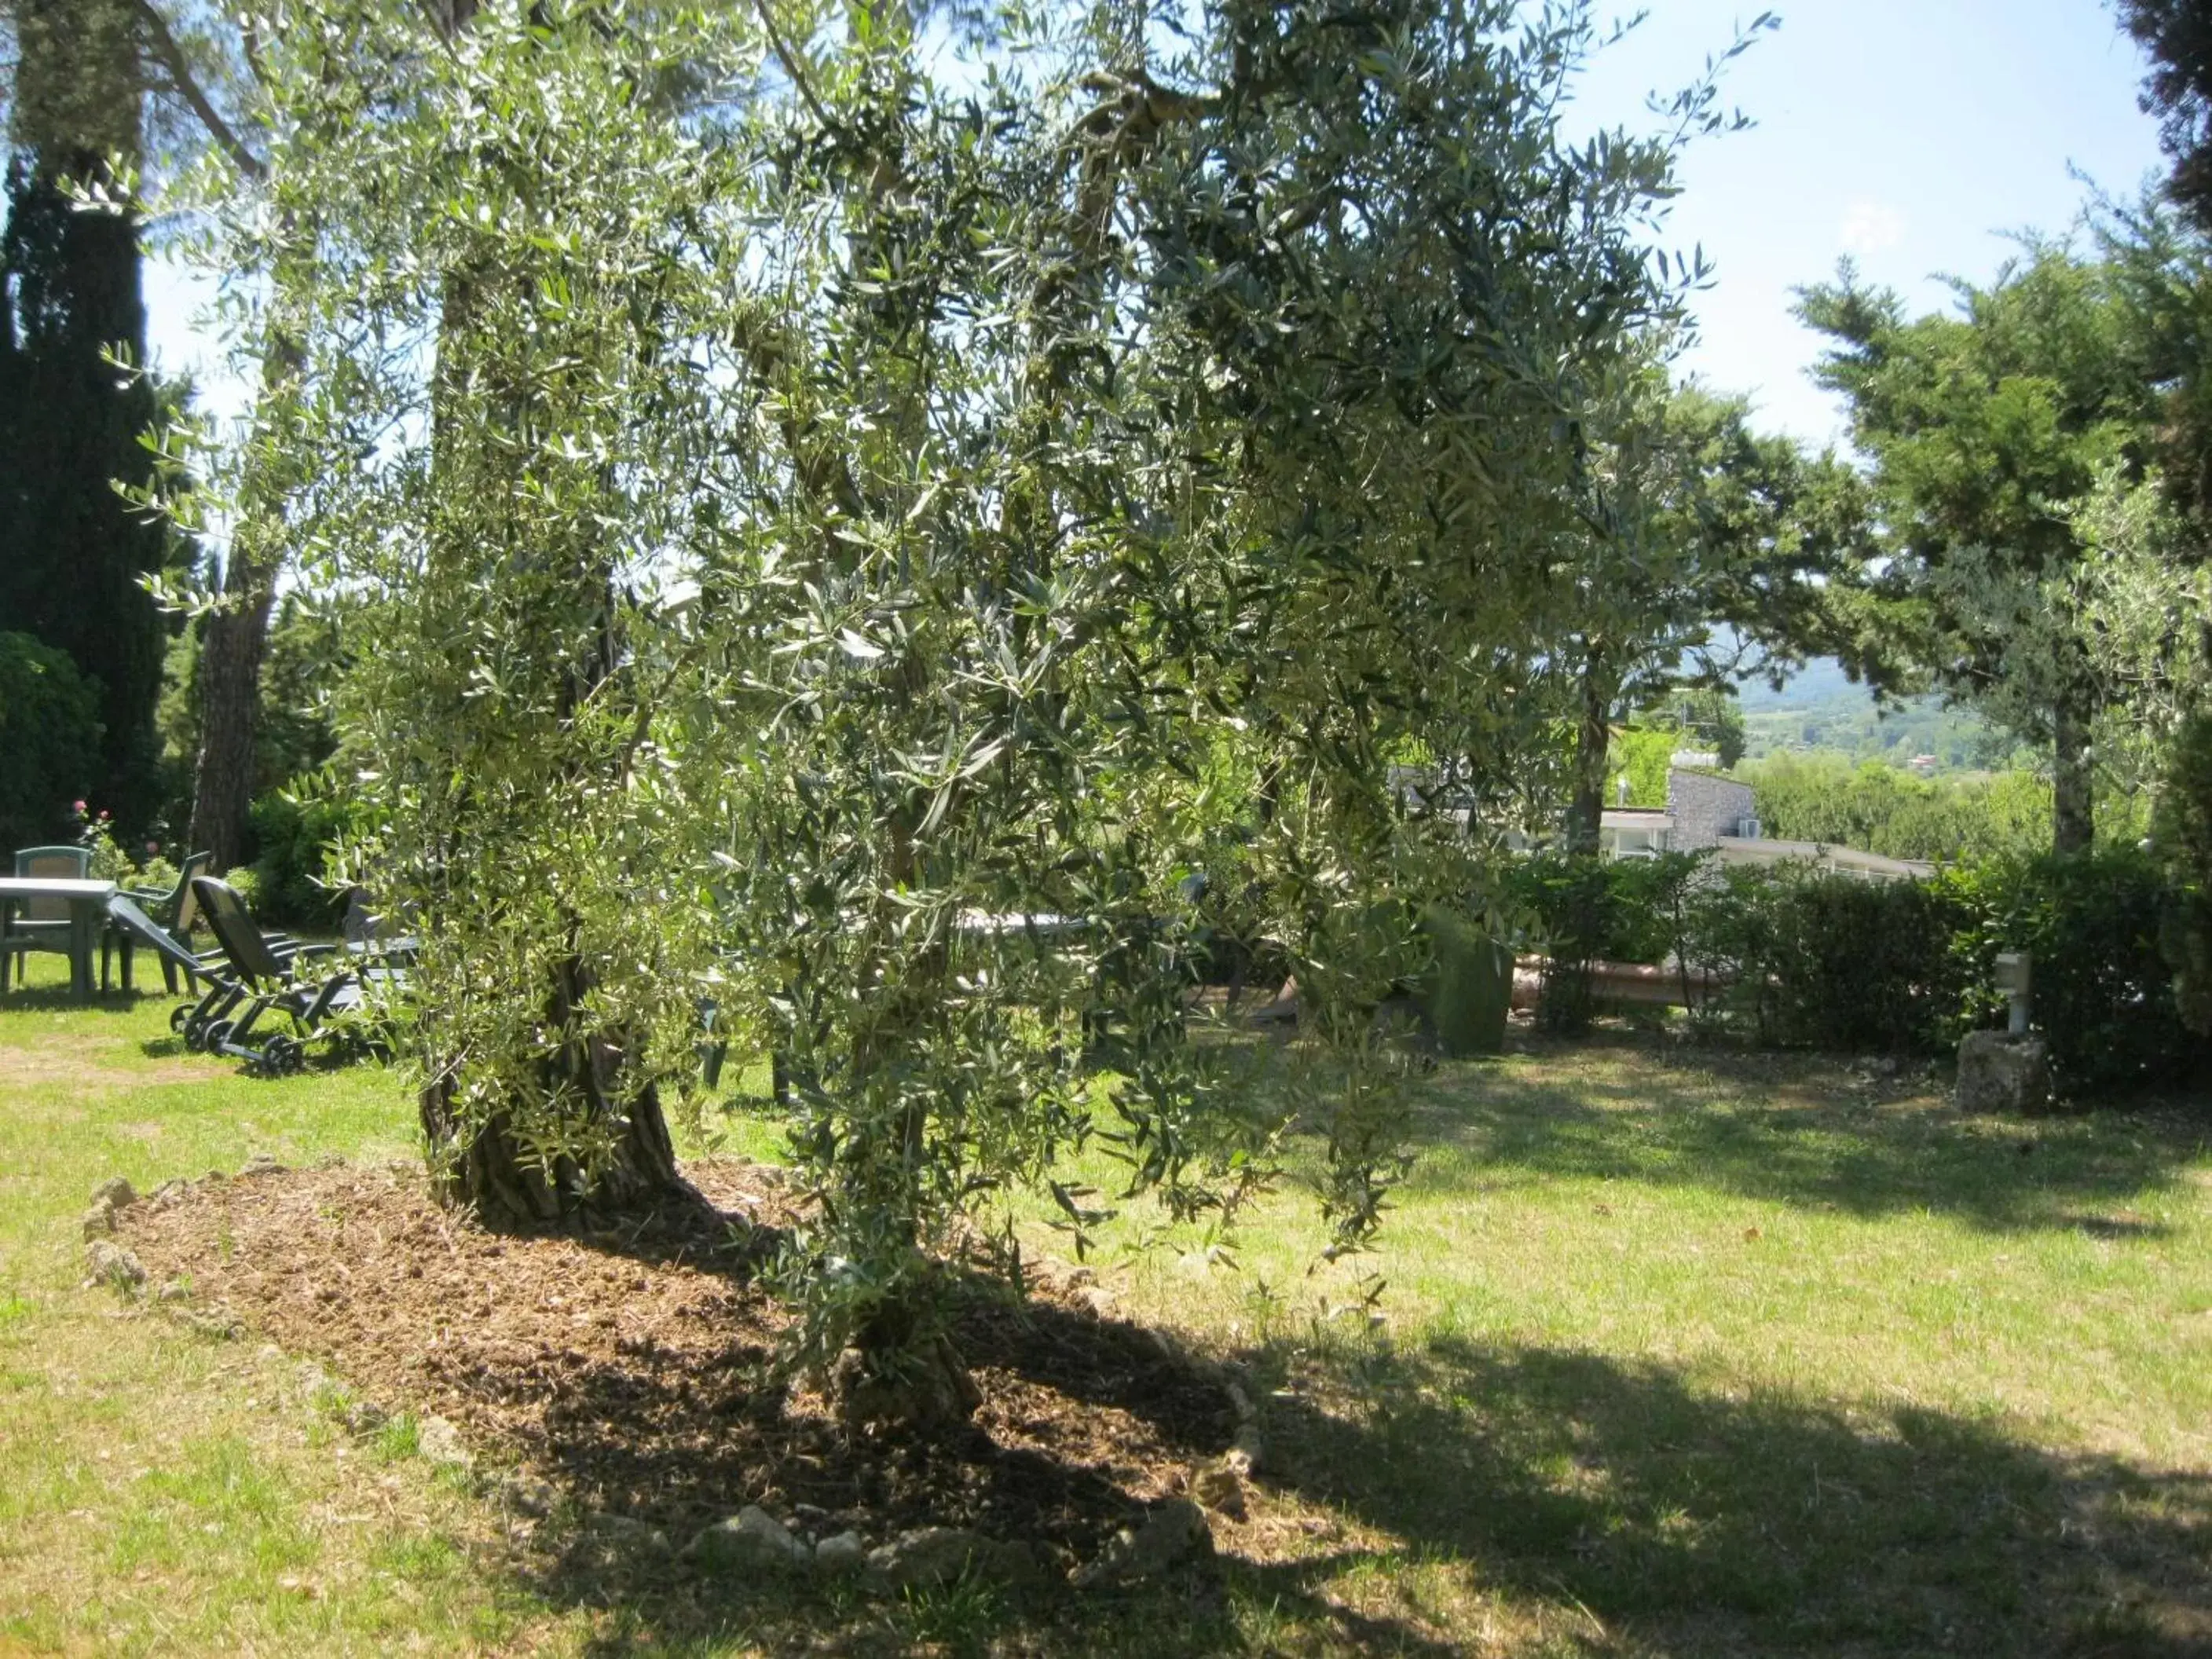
(1704, 808)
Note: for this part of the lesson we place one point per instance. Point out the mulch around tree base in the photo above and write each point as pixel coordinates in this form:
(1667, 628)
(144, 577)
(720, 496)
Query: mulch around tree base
(630, 1368)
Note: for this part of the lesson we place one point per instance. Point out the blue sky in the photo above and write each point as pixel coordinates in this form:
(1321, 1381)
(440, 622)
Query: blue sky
(1910, 134)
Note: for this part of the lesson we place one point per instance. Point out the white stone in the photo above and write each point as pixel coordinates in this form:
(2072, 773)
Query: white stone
(439, 1443)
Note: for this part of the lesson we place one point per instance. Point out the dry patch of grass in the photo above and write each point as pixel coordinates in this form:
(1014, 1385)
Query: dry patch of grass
(162, 1491)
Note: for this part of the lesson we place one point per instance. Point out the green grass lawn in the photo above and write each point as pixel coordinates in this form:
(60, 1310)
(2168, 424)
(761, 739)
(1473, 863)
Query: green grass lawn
(1680, 1354)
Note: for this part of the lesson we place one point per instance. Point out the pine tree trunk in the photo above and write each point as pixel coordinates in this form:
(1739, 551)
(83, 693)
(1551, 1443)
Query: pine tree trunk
(231, 652)
(237, 637)
(2073, 811)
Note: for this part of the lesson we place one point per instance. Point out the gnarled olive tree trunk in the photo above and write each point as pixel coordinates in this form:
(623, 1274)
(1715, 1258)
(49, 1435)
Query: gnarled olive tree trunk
(495, 428)
(487, 1170)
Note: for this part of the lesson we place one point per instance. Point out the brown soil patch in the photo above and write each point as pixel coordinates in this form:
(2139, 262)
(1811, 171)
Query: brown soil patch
(630, 1369)
(80, 1064)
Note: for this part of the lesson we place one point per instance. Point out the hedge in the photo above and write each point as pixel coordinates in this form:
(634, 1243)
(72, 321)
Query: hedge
(1815, 959)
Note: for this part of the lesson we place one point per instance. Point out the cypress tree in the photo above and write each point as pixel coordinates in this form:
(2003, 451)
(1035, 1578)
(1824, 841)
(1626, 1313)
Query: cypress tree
(72, 552)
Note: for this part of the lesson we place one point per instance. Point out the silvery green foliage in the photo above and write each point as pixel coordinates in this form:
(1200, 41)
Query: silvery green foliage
(503, 404)
(849, 549)
(2144, 604)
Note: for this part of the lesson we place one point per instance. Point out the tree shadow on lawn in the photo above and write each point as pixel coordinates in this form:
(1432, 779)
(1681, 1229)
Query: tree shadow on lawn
(1689, 1524)
(1086, 1423)
(56, 998)
(674, 1446)
(1793, 1129)
(652, 1601)
(1549, 1485)
(1663, 1519)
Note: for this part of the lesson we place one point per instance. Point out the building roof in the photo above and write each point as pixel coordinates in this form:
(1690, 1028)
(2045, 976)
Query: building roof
(1762, 850)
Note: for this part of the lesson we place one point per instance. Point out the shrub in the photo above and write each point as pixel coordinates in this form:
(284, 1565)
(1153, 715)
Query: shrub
(1827, 961)
(112, 861)
(1584, 910)
(50, 733)
(1832, 962)
(2103, 989)
(292, 831)
(2183, 834)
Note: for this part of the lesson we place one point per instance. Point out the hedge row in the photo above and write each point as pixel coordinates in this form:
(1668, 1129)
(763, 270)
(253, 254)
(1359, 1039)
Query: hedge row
(1820, 960)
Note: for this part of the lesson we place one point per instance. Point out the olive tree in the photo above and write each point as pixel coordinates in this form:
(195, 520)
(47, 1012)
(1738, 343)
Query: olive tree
(814, 547)
(498, 413)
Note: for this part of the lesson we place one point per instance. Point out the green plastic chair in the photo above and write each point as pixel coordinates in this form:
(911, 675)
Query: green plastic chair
(41, 924)
(175, 910)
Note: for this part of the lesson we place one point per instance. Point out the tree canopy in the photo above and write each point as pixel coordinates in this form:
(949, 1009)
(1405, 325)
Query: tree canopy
(1984, 427)
(828, 537)
(72, 413)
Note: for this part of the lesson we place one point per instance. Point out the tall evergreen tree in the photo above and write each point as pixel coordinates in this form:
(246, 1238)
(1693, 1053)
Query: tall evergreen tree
(2177, 34)
(1985, 428)
(72, 552)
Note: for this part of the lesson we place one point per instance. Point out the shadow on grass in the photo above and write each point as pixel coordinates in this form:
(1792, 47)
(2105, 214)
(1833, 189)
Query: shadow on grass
(1661, 1519)
(1799, 1130)
(652, 1602)
(56, 998)
(1699, 1524)
(668, 1438)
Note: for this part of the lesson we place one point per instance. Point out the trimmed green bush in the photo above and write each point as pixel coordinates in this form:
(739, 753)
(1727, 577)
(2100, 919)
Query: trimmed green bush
(292, 835)
(1809, 958)
(1827, 961)
(2103, 989)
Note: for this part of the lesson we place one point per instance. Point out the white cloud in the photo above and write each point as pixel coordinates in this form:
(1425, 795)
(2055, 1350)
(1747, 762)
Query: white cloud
(1871, 226)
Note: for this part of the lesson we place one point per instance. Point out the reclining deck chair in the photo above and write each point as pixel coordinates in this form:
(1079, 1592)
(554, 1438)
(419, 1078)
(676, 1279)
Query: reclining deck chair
(224, 991)
(129, 925)
(262, 978)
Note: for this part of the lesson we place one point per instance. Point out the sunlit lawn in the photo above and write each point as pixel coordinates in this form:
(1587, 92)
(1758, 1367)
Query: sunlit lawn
(1679, 1353)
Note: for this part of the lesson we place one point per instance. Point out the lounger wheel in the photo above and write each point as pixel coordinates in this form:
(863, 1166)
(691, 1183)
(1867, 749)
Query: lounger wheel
(180, 1016)
(283, 1055)
(213, 1036)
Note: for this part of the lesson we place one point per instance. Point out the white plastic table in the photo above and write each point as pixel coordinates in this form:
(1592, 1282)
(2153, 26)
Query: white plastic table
(87, 903)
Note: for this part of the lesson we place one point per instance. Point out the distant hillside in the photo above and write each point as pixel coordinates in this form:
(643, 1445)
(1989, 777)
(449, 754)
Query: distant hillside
(1820, 711)
(1849, 724)
(1818, 681)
